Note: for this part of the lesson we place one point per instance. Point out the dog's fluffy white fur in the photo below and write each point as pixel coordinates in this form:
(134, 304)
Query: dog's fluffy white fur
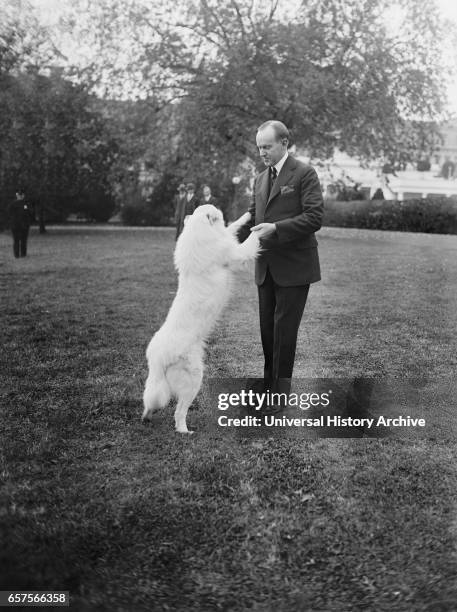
(207, 254)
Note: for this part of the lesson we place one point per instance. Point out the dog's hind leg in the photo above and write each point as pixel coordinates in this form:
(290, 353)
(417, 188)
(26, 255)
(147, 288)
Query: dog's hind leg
(185, 381)
(156, 394)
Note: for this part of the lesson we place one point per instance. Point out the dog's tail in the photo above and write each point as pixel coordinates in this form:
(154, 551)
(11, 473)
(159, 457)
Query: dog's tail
(157, 393)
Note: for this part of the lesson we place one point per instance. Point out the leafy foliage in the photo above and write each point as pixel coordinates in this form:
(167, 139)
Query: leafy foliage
(53, 142)
(182, 100)
(54, 146)
(432, 215)
(337, 73)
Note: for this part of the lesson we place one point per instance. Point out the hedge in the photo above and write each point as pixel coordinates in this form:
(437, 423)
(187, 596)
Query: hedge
(433, 215)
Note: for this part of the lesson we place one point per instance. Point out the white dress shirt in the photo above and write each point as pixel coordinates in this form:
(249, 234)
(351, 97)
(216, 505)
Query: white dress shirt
(281, 163)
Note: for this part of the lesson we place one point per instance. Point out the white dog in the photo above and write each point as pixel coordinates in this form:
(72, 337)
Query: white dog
(206, 255)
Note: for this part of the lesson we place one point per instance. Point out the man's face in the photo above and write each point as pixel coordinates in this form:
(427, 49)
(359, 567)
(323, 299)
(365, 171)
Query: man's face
(206, 192)
(271, 149)
(19, 196)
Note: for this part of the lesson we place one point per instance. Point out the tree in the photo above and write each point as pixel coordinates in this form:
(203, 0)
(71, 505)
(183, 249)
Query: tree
(335, 71)
(53, 141)
(54, 146)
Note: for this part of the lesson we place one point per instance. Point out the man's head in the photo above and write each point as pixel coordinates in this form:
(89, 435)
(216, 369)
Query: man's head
(190, 188)
(20, 194)
(272, 141)
(206, 191)
(182, 188)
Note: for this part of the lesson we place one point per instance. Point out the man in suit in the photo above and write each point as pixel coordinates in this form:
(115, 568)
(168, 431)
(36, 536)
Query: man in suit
(208, 197)
(186, 203)
(286, 211)
(180, 208)
(192, 202)
(20, 216)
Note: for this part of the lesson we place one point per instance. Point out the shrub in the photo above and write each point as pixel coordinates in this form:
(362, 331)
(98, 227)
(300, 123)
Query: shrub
(97, 205)
(134, 207)
(160, 209)
(430, 215)
(155, 209)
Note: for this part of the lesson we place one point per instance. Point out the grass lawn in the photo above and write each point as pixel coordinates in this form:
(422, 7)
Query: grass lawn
(134, 517)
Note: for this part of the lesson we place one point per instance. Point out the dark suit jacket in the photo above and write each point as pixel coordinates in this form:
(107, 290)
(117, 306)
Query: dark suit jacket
(212, 201)
(183, 208)
(20, 215)
(296, 206)
(192, 204)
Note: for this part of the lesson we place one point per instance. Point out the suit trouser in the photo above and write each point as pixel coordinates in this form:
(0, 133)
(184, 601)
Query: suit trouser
(20, 236)
(280, 312)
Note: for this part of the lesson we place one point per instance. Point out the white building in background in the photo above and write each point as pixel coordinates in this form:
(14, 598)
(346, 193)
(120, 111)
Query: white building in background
(406, 184)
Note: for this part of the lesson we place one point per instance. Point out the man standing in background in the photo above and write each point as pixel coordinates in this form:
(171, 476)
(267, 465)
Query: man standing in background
(186, 203)
(180, 209)
(20, 219)
(208, 197)
(191, 199)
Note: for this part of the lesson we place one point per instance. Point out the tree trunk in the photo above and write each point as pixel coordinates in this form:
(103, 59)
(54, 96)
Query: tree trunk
(41, 218)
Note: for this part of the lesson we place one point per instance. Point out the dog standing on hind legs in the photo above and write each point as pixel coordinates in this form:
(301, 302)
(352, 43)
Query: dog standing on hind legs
(206, 256)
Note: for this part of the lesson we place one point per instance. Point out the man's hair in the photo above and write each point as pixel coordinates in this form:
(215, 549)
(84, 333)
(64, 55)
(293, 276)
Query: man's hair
(280, 129)
(190, 187)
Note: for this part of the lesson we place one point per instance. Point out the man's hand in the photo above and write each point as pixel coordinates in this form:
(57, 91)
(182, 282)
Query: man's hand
(264, 230)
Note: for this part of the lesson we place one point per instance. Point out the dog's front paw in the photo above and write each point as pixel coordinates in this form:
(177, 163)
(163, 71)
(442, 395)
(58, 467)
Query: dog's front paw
(243, 219)
(235, 225)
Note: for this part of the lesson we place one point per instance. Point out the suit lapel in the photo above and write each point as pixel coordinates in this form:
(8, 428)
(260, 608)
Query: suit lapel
(262, 189)
(283, 177)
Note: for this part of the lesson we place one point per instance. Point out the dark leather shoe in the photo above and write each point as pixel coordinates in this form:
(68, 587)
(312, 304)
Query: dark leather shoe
(270, 410)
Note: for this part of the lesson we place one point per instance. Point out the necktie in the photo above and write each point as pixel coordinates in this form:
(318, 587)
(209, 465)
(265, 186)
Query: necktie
(273, 175)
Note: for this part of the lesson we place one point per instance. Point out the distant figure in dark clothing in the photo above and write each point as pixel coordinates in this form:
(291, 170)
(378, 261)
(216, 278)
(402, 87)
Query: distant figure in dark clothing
(389, 168)
(180, 208)
(378, 194)
(186, 207)
(191, 198)
(208, 197)
(423, 164)
(448, 169)
(20, 219)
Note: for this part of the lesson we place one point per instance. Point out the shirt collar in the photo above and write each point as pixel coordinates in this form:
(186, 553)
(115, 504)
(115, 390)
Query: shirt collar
(281, 162)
